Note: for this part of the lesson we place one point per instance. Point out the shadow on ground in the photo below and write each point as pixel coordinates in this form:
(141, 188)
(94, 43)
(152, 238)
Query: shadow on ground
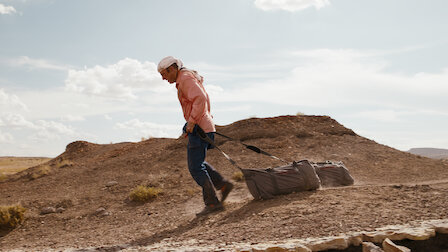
(4, 232)
(247, 210)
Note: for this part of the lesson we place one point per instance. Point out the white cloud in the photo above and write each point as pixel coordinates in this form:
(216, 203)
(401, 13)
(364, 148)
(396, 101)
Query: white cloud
(6, 137)
(10, 101)
(72, 118)
(149, 129)
(396, 115)
(214, 90)
(379, 115)
(15, 121)
(329, 78)
(40, 130)
(48, 130)
(4, 9)
(25, 61)
(290, 5)
(117, 81)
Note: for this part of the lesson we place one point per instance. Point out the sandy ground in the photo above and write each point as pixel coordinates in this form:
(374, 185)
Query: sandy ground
(391, 187)
(11, 165)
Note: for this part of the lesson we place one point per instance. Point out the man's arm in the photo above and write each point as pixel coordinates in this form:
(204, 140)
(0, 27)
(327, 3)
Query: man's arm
(197, 97)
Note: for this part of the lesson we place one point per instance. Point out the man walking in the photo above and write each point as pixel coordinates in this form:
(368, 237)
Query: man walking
(195, 104)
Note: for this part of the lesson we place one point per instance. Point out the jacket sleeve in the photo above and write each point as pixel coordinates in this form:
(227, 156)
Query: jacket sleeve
(196, 96)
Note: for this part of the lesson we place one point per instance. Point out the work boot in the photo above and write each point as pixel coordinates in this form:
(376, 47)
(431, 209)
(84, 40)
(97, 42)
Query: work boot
(208, 209)
(212, 203)
(225, 190)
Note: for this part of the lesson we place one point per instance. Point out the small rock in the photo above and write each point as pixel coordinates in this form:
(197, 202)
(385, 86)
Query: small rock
(276, 249)
(111, 183)
(442, 228)
(389, 246)
(328, 243)
(47, 210)
(60, 210)
(370, 247)
(100, 210)
(105, 213)
(355, 240)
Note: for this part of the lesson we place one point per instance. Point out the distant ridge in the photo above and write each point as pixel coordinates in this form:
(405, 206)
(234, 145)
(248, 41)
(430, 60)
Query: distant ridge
(430, 152)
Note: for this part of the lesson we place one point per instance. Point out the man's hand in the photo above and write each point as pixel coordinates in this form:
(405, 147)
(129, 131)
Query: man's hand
(190, 127)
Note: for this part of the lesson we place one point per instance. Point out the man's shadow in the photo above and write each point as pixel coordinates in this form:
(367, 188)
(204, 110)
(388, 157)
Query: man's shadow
(247, 210)
(5, 231)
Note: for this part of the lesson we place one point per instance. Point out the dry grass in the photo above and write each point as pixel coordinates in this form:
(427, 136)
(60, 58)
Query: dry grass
(3, 176)
(11, 216)
(45, 169)
(64, 163)
(40, 171)
(144, 193)
(238, 176)
(11, 165)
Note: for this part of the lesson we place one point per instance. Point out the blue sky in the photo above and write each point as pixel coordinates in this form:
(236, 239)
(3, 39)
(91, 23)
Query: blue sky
(86, 69)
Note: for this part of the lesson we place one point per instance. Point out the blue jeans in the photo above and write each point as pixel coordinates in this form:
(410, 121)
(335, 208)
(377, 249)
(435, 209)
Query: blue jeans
(199, 169)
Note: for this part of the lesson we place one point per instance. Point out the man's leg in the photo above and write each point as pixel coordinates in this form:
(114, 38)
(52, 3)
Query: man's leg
(196, 154)
(216, 178)
(220, 183)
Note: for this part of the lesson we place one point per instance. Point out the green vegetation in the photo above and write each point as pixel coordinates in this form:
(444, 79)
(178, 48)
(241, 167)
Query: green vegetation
(144, 193)
(11, 216)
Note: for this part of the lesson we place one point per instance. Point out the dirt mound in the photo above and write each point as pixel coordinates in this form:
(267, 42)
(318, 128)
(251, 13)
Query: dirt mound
(297, 126)
(79, 182)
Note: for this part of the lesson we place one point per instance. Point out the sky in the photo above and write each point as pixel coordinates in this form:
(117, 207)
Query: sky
(87, 69)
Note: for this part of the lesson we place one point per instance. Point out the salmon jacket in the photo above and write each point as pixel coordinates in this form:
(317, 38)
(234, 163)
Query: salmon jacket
(194, 99)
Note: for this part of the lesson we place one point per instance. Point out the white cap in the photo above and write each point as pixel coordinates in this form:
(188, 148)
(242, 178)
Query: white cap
(167, 62)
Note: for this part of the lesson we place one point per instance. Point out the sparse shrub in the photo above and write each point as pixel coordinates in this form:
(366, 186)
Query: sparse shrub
(238, 176)
(144, 193)
(64, 163)
(40, 171)
(142, 139)
(11, 216)
(300, 114)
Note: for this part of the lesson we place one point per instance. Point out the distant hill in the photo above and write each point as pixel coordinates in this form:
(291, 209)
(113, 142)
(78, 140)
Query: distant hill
(430, 152)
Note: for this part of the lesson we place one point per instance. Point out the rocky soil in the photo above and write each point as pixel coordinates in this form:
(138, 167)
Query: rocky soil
(88, 188)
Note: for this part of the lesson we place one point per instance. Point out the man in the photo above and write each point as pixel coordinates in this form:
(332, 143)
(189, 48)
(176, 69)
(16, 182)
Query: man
(195, 104)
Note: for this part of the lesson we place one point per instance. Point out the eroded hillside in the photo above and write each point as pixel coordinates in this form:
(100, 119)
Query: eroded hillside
(391, 187)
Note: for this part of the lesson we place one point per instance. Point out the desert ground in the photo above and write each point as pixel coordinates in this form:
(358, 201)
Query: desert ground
(90, 185)
(11, 165)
